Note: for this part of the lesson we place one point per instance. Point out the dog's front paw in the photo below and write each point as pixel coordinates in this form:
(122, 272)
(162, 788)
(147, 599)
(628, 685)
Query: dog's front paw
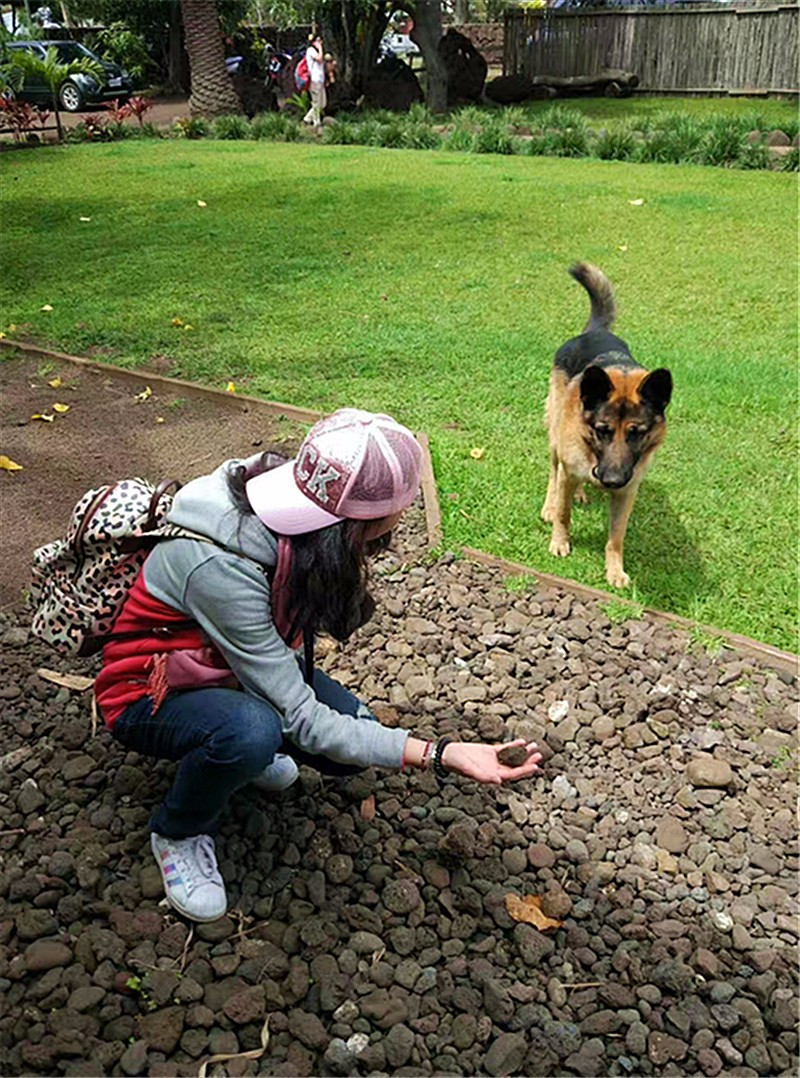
(581, 496)
(559, 548)
(618, 578)
(548, 513)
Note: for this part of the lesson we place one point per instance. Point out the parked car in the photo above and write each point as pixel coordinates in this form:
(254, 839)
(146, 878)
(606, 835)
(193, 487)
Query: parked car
(399, 45)
(78, 91)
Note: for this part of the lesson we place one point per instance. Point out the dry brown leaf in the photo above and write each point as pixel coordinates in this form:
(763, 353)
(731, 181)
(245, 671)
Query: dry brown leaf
(368, 808)
(9, 465)
(529, 910)
(67, 681)
(254, 1053)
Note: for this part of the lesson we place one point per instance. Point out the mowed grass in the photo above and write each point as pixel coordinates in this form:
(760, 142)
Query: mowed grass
(434, 286)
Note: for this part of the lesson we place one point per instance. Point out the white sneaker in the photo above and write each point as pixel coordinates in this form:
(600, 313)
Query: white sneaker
(191, 878)
(279, 775)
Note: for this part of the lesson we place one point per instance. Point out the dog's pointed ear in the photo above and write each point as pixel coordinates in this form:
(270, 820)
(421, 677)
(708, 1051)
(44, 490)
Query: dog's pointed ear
(656, 390)
(596, 387)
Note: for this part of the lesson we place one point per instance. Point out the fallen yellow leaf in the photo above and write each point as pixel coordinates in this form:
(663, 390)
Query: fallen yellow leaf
(44, 416)
(177, 321)
(623, 247)
(636, 201)
(230, 387)
(529, 910)
(61, 408)
(47, 307)
(55, 383)
(201, 204)
(187, 326)
(84, 218)
(477, 452)
(160, 419)
(146, 392)
(9, 465)
(2, 335)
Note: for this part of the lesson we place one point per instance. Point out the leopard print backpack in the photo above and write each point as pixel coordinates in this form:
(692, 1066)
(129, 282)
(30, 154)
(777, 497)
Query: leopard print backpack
(79, 583)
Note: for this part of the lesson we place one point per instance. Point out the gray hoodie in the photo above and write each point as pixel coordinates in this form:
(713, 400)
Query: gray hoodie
(228, 594)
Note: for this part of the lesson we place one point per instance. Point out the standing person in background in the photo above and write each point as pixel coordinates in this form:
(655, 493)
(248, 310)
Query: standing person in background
(315, 58)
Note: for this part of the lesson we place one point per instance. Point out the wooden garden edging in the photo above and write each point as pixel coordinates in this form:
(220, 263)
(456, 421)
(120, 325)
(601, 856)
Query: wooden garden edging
(785, 661)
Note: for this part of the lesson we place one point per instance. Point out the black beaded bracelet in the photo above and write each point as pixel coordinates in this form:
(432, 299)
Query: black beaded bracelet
(439, 770)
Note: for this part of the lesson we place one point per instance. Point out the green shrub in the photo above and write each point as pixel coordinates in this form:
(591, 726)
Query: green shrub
(674, 138)
(791, 162)
(270, 125)
(191, 127)
(562, 118)
(616, 144)
(342, 133)
(420, 136)
(390, 135)
(753, 156)
(469, 119)
(147, 130)
(459, 140)
(723, 141)
(514, 116)
(568, 142)
(493, 138)
(420, 114)
(232, 127)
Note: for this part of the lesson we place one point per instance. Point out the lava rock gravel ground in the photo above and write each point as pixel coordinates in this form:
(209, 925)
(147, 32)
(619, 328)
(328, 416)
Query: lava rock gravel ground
(661, 831)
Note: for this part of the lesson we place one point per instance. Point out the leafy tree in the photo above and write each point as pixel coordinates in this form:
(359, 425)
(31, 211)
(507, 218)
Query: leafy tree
(52, 72)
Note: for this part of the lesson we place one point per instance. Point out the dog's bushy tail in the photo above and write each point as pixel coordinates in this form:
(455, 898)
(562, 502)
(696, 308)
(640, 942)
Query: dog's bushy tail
(604, 309)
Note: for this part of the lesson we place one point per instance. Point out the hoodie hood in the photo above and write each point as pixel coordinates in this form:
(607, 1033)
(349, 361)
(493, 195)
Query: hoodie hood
(205, 505)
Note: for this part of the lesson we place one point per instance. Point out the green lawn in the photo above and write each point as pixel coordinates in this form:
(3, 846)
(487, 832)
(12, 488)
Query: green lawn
(434, 286)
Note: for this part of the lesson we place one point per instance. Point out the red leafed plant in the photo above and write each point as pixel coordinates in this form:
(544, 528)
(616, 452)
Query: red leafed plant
(117, 113)
(18, 115)
(139, 106)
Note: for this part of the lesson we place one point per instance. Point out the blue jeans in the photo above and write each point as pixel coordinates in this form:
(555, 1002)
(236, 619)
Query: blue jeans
(223, 739)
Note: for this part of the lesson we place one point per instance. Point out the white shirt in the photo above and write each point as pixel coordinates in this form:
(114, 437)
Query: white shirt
(316, 68)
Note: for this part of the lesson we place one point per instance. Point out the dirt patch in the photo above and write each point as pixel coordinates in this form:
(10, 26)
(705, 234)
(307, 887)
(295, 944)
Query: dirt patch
(114, 428)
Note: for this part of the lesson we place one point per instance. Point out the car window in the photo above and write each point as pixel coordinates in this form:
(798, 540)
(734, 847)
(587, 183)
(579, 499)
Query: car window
(71, 50)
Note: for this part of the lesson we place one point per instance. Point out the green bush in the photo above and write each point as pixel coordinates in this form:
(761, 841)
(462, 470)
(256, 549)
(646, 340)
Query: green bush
(756, 155)
(563, 118)
(723, 141)
(673, 139)
(420, 136)
(791, 162)
(469, 119)
(616, 143)
(390, 135)
(420, 114)
(493, 138)
(190, 127)
(232, 127)
(459, 140)
(342, 133)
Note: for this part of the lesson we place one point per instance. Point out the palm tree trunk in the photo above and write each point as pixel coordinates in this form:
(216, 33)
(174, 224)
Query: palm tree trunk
(212, 90)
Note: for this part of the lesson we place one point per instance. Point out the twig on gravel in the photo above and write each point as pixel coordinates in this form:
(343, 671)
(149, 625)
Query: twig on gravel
(584, 984)
(186, 947)
(254, 1053)
(94, 715)
(404, 868)
(76, 682)
(13, 831)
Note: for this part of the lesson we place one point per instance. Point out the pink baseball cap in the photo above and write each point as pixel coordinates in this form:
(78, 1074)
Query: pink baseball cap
(352, 465)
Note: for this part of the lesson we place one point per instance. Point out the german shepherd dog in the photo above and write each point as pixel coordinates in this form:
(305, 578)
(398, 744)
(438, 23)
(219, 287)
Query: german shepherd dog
(605, 417)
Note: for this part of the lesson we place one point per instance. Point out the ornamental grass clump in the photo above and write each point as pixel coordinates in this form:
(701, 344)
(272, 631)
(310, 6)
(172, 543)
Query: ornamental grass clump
(232, 127)
(674, 138)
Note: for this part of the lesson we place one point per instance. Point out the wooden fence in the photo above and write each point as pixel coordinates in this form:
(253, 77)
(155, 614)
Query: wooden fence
(702, 49)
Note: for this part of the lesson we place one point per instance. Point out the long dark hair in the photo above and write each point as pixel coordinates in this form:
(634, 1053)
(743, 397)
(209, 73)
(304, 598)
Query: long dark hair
(328, 582)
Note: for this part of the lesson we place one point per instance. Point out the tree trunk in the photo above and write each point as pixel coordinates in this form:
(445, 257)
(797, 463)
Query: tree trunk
(212, 91)
(426, 33)
(176, 60)
(352, 34)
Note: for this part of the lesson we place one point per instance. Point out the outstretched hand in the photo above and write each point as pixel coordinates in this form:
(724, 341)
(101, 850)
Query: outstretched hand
(483, 763)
